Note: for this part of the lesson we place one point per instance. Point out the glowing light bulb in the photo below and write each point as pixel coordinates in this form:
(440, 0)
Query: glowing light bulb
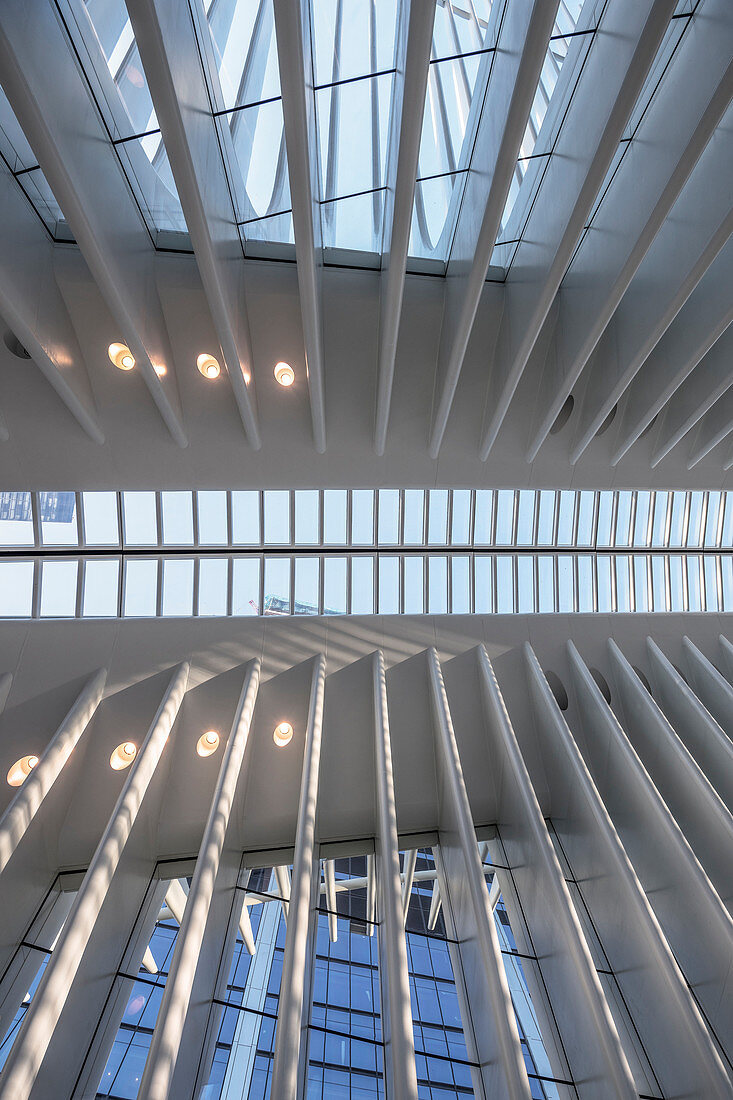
(207, 743)
(21, 769)
(283, 734)
(284, 374)
(123, 756)
(121, 356)
(208, 366)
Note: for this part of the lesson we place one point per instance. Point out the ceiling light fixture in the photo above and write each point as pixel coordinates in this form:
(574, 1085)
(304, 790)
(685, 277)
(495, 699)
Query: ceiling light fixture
(284, 374)
(121, 356)
(283, 734)
(208, 366)
(123, 756)
(160, 369)
(21, 769)
(207, 743)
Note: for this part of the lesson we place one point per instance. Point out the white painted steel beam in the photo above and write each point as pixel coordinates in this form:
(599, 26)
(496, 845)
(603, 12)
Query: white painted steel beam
(712, 689)
(165, 1042)
(678, 888)
(498, 1049)
(514, 70)
(619, 59)
(674, 1036)
(697, 229)
(43, 1013)
(408, 877)
(695, 804)
(27, 802)
(399, 1048)
(292, 30)
(589, 1038)
(671, 137)
(715, 425)
(681, 356)
(329, 874)
(414, 36)
(32, 306)
(702, 735)
(695, 395)
(171, 55)
(292, 1008)
(48, 94)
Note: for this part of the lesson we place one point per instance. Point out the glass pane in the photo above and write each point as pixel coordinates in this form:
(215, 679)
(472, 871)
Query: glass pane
(101, 580)
(58, 589)
(437, 585)
(362, 517)
(605, 599)
(641, 520)
(586, 505)
(525, 520)
(334, 586)
(100, 519)
(16, 519)
(414, 591)
(212, 517)
(605, 518)
(58, 519)
(389, 516)
(546, 583)
(484, 514)
(277, 586)
(525, 583)
(334, 517)
(177, 515)
(414, 504)
(362, 586)
(461, 518)
(389, 586)
(565, 583)
(437, 516)
(307, 574)
(546, 523)
(504, 584)
(246, 586)
(483, 584)
(566, 515)
(213, 579)
(141, 586)
(460, 585)
(306, 516)
(177, 586)
(277, 516)
(694, 528)
(15, 589)
(246, 518)
(139, 516)
(641, 583)
(586, 599)
(504, 517)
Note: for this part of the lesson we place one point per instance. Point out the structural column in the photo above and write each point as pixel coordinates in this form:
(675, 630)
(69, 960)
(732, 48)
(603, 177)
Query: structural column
(165, 1044)
(588, 1033)
(498, 1048)
(394, 976)
(674, 1036)
(27, 801)
(45, 1009)
(292, 1010)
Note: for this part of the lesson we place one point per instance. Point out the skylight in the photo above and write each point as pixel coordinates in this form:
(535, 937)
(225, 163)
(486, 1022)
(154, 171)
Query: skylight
(385, 551)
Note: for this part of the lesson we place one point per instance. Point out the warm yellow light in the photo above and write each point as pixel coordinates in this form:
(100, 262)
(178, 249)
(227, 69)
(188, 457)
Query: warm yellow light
(123, 756)
(208, 366)
(121, 356)
(284, 374)
(207, 743)
(21, 769)
(160, 369)
(282, 734)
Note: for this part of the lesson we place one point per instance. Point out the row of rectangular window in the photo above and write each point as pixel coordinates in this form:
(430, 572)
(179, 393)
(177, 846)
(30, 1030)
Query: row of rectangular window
(369, 517)
(385, 584)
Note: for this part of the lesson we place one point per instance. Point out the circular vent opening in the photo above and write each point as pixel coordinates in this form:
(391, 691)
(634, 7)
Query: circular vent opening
(558, 689)
(563, 416)
(13, 344)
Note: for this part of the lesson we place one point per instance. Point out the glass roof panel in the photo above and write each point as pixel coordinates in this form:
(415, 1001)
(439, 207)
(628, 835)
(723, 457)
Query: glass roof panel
(352, 38)
(243, 36)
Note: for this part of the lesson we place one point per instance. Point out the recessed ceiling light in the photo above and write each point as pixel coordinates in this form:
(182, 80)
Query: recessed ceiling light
(283, 734)
(121, 356)
(21, 769)
(123, 756)
(208, 366)
(284, 374)
(207, 743)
